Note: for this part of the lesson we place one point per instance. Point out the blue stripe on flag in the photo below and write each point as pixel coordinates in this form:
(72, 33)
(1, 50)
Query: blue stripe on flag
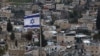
(32, 26)
(26, 17)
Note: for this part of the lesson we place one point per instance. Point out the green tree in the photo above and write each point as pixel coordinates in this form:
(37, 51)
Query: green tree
(53, 19)
(6, 47)
(98, 20)
(18, 13)
(12, 36)
(9, 26)
(2, 51)
(0, 29)
(77, 11)
(36, 43)
(96, 37)
(75, 15)
(29, 35)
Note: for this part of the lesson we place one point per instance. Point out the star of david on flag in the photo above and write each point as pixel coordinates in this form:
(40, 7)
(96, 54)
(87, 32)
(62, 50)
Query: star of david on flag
(32, 20)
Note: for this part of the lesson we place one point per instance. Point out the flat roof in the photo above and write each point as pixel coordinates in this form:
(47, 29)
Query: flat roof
(86, 41)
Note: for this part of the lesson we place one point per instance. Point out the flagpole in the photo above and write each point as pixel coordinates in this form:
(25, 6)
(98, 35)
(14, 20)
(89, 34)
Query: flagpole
(40, 50)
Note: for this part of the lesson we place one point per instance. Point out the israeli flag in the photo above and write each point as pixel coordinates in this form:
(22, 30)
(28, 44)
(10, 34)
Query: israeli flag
(32, 21)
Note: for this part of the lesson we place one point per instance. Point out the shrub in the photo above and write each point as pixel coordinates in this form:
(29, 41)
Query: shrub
(29, 35)
(12, 36)
(9, 26)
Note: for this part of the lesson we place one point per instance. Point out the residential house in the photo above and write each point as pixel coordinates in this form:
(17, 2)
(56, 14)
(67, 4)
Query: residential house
(35, 7)
(92, 49)
(59, 6)
(36, 52)
(6, 14)
(28, 12)
(63, 24)
(57, 1)
(16, 52)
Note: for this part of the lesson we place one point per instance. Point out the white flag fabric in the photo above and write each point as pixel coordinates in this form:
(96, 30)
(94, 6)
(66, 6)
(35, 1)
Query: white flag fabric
(32, 21)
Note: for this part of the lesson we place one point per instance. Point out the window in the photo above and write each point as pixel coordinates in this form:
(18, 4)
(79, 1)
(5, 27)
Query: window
(92, 47)
(96, 47)
(96, 52)
(92, 54)
(91, 51)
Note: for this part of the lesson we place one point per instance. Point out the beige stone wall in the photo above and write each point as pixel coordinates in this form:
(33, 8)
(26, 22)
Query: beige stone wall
(47, 35)
(69, 39)
(90, 26)
(4, 3)
(5, 14)
(83, 2)
(57, 1)
(97, 3)
(62, 24)
(35, 52)
(65, 25)
(59, 6)
(93, 50)
(35, 7)
(60, 39)
(16, 52)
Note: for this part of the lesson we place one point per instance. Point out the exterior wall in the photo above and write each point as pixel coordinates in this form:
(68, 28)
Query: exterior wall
(83, 2)
(49, 1)
(4, 3)
(92, 49)
(97, 3)
(57, 1)
(22, 52)
(60, 38)
(35, 7)
(64, 38)
(70, 39)
(49, 6)
(64, 25)
(47, 35)
(56, 13)
(5, 14)
(28, 12)
(43, 1)
(36, 53)
(16, 52)
(90, 26)
(59, 6)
